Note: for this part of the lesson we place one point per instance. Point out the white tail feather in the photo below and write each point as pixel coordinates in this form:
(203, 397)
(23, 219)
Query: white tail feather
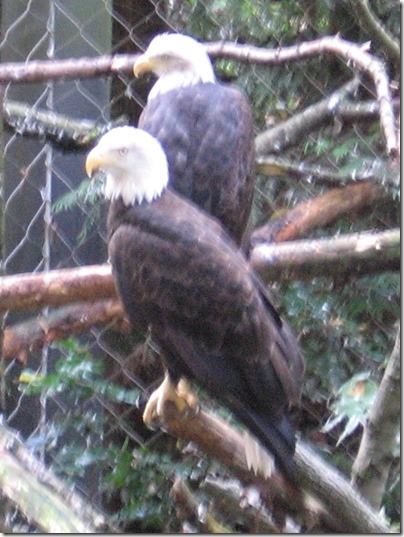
(257, 457)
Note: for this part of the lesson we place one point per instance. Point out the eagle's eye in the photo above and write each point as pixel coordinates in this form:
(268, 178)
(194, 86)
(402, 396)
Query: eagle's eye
(122, 150)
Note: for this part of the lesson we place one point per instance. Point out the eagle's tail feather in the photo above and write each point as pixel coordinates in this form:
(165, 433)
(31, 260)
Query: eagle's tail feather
(276, 440)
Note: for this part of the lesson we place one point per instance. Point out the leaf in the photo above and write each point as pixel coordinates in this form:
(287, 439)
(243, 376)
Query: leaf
(352, 404)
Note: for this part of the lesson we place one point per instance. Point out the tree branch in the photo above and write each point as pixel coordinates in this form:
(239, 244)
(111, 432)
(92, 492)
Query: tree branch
(21, 339)
(56, 287)
(346, 50)
(358, 253)
(39, 71)
(372, 465)
(71, 68)
(371, 24)
(317, 174)
(346, 255)
(318, 212)
(227, 498)
(61, 129)
(342, 501)
(290, 132)
(342, 509)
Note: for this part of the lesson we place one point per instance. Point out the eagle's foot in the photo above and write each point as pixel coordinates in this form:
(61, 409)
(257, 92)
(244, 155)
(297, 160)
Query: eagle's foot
(157, 408)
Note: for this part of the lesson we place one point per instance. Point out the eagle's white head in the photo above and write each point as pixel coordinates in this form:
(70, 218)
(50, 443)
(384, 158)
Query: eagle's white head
(134, 164)
(177, 60)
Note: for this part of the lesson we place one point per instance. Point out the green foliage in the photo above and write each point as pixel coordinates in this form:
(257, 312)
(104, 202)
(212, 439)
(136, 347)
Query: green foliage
(78, 438)
(343, 330)
(86, 195)
(354, 399)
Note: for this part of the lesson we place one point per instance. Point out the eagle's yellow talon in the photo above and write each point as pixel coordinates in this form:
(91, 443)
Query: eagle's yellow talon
(192, 402)
(181, 397)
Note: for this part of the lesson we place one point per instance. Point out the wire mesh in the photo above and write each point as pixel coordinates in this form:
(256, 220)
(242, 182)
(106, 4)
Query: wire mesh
(37, 173)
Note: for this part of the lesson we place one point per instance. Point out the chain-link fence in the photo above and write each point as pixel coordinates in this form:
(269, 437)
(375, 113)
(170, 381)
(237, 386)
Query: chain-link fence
(72, 417)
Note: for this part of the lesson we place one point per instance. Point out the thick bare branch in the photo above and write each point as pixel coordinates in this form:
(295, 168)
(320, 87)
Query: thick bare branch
(359, 253)
(372, 465)
(318, 212)
(350, 52)
(56, 288)
(37, 71)
(341, 500)
(61, 129)
(44, 70)
(21, 339)
(345, 256)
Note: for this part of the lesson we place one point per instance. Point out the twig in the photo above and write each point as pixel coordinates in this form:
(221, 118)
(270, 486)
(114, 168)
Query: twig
(373, 461)
(346, 50)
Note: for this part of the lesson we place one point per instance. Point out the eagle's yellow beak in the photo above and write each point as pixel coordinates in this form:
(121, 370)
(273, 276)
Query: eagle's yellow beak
(143, 64)
(96, 160)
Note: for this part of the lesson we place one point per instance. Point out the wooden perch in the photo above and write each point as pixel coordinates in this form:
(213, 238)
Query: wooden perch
(71, 68)
(375, 455)
(341, 510)
(359, 253)
(343, 256)
(318, 212)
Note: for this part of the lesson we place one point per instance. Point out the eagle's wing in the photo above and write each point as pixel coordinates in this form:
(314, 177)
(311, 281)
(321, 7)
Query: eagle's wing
(176, 268)
(206, 131)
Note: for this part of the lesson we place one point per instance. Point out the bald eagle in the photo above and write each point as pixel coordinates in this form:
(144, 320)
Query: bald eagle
(179, 272)
(205, 128)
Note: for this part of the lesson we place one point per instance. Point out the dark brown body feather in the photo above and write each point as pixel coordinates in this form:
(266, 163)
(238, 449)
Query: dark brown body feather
(178, 271)
(206, 131)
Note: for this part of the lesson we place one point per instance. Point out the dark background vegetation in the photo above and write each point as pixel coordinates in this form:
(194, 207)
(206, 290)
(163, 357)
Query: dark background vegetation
(78, 402)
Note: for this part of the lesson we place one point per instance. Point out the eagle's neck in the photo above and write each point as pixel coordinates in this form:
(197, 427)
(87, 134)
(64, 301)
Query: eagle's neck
(181, 78)
(138, 184)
